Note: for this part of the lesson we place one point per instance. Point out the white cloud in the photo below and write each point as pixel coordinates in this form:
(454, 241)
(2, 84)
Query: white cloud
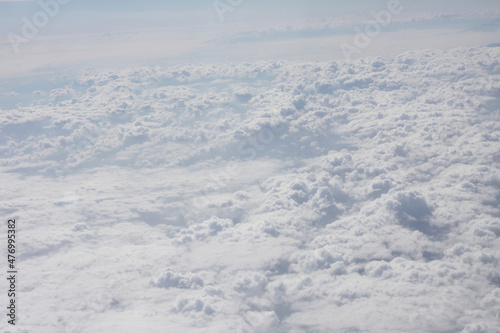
(206, 198)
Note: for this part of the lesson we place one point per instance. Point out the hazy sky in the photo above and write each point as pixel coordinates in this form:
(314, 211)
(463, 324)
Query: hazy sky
(135, 33)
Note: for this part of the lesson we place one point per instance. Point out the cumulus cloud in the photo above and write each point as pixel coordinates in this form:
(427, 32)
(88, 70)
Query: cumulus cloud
(262, 197)
(170, 278)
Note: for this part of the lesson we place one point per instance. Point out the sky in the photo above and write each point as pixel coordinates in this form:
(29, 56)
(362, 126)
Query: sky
(258, 197)
(245, 166)
(112, 34)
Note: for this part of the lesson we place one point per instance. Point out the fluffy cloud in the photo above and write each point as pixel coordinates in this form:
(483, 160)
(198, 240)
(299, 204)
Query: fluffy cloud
(262, 197)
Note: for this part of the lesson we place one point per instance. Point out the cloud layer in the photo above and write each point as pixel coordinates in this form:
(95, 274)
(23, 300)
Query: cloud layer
(357, 196)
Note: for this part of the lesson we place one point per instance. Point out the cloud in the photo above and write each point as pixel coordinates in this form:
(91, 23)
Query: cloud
(260, 197)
